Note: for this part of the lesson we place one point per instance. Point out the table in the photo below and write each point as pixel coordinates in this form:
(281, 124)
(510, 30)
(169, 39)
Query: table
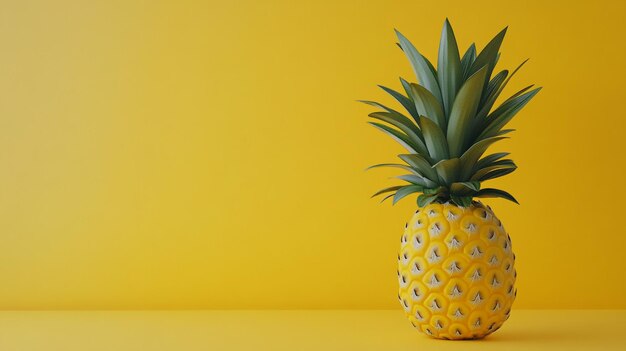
(296, 330)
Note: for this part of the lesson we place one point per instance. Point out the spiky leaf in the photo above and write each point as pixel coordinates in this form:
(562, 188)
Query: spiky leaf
(485, 161)
(405, 191)
(504, 131)
(520, 92)
(401, 122)
(422, 68)
(421, 165)
(455, 122)
(503, 114)
(386, 197)
(493, 85)
(502, 164)
(490, 192)
(464, 188)
(488, 57)
(403, 100)
(427, 105)
(462, 201)
(424, 200)
(389, 189)
(495, 174)
(471, 156)
(440, 190)
(416, 179)
(392, 165)
(448, 170)
(379, 105)
(449, 67)
(400, 137)
(468, 60)
(434, 138)
(491, 100)
(463, 112)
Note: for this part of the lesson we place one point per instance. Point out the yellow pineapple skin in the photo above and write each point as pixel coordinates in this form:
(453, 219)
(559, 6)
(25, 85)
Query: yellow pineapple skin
(456, 271)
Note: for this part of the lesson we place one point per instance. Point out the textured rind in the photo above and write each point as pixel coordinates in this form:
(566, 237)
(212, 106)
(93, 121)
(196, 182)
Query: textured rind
(456, 271)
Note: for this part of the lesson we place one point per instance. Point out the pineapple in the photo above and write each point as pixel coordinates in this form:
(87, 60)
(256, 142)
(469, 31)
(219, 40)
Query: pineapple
(456, 265)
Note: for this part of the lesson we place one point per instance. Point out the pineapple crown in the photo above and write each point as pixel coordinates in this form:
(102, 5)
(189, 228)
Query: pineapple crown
(452, 123)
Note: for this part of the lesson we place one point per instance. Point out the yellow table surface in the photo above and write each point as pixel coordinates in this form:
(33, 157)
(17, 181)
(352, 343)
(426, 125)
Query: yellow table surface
(296, 330)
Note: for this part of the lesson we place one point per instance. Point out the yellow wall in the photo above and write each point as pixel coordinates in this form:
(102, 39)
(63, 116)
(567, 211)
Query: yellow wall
(211, 154)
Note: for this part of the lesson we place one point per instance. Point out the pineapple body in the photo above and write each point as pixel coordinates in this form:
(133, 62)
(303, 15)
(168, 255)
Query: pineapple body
(456, 271)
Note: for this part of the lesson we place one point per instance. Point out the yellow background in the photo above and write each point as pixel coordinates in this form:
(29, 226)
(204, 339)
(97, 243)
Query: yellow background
(210, 154)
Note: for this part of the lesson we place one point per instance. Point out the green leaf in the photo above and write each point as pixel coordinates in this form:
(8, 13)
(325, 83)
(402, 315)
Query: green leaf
(456, 200)
(486, 107)
(502, 164)
(472, 185)
(403, 123)
(487, 160)
(405, 191)
(407, 88)
(463, 112)
(394, 165)
(523, 90)
(396, 113)
(448, 170)
(504, 131)
(424, 200)
(403, 100)
(434, 138)
(440, 190)
(427, 105)
(450, 72)
(493, 85)
(471, 156)
(415, 179)
(489, 55)
(495, 63)
(379, 105)
(401, 138)
(467, 201)
(464, 188)
(421, 165)
(490, 192)
(422, 68)
(505, 112)
(468, 60)
(496, 174)
(430, 66)
(462, 201)
(386, 197)
(386, 190)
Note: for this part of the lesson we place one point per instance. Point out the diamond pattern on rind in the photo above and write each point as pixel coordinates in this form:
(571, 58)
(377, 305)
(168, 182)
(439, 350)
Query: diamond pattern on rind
(465, 285)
